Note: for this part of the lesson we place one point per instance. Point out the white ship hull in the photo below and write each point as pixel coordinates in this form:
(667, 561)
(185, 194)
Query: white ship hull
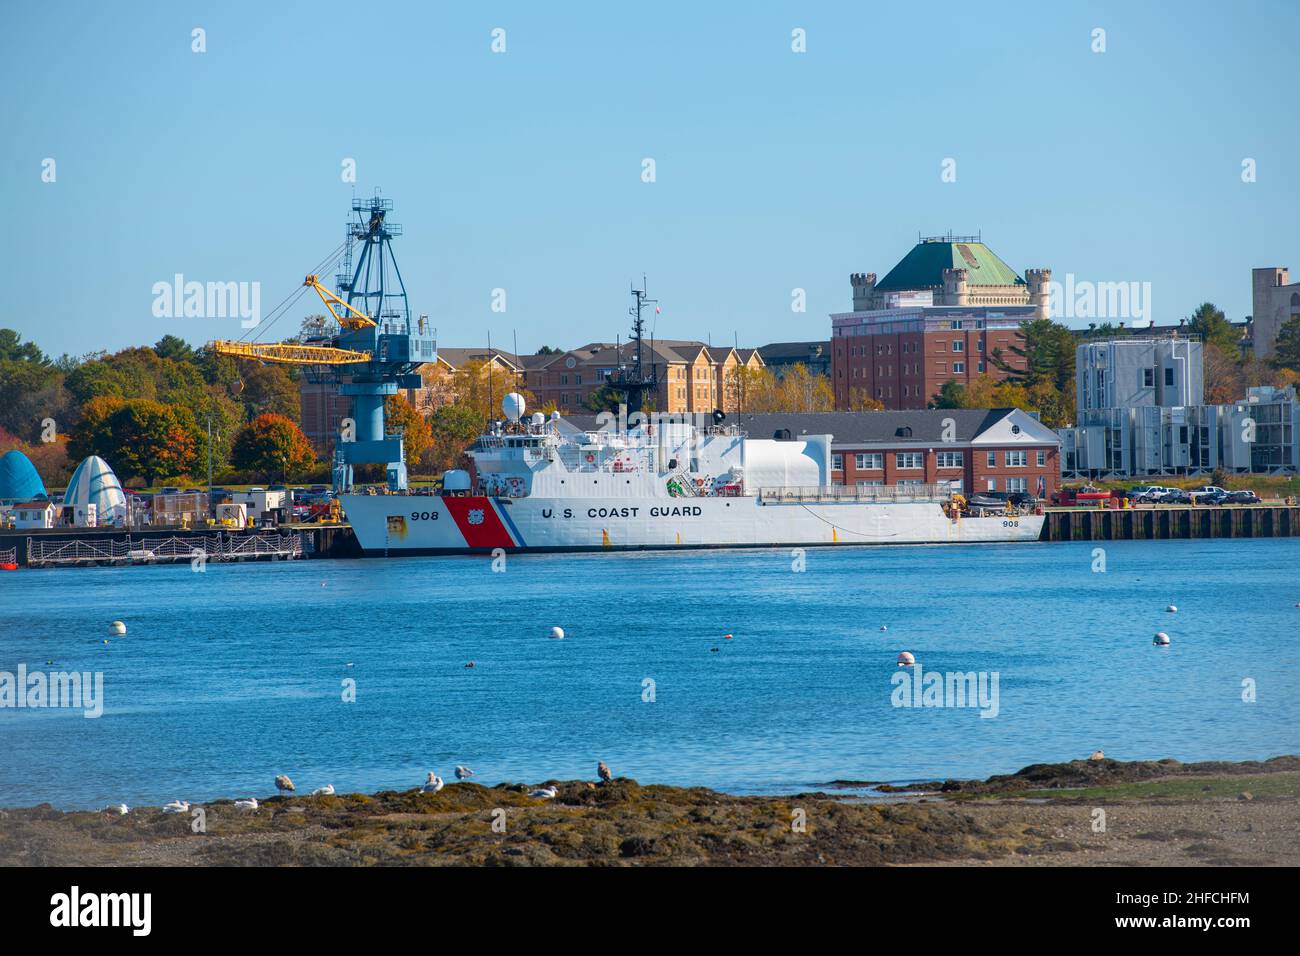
(427, 524)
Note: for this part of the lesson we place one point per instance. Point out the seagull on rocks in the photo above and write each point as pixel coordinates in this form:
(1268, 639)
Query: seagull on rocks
(325, 791)
(284, 784)
(463, 773)
(603, 772)
(177, 806)
(432, 784)
(1097, 755)
(545, 793)
(249, 804)
(121, 809)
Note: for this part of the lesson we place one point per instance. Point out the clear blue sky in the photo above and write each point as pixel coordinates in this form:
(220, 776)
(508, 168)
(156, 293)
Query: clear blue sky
(522, 170)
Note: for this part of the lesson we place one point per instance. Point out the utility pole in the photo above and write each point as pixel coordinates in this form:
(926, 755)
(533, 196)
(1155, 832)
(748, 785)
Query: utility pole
(209, 460)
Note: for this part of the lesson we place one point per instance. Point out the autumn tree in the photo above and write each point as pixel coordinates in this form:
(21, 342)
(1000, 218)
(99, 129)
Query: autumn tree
(1224, 381)
(480, 385)
(418, 439)
(984, 391)
(272, 446)
(139, 438)
(268, 389)
(860, 400)
(30, 393)
(745, 387)
(1055, 408)
(797, 390)
(452, 428)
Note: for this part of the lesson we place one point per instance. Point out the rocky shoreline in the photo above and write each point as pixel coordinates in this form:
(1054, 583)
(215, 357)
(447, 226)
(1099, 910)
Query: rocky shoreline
(1086, 812)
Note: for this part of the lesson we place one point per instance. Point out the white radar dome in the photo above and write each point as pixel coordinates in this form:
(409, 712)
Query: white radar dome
(513, 406)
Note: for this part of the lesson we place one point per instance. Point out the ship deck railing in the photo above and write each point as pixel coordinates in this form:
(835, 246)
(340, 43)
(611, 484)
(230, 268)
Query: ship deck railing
(790, 494)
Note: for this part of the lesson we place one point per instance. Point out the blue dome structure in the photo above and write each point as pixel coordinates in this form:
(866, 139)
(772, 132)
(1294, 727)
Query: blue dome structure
(19, 479)
(95, 483)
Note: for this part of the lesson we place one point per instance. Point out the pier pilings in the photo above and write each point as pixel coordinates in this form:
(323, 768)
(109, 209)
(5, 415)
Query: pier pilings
(1150, 524)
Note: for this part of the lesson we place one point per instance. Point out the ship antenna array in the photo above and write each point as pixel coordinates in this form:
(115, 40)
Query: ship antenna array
(637, 382)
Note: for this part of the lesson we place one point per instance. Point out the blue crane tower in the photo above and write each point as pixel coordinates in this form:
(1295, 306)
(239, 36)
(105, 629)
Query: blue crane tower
(373, 288)
(377, 349)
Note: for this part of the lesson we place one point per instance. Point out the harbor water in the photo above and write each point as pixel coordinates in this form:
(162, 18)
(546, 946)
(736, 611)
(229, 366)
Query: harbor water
(230, 676)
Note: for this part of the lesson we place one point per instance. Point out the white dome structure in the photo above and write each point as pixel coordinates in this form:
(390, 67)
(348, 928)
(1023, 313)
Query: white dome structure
(514, 406)
(94, 483)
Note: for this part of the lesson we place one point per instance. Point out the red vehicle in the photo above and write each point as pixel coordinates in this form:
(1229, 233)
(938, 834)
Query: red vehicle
(1077, 497)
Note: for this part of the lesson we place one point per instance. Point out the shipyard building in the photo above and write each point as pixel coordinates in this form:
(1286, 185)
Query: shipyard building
(1141, 411)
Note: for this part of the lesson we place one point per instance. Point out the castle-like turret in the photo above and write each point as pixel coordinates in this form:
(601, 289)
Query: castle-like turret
(864, 285)
(956, 291)
(1040, 291)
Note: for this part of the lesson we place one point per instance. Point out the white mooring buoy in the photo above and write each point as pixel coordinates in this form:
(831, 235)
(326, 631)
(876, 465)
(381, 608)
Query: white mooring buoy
(557, 633)
(1162, 640)
(1172, 609)
(117, 627)
(906, 659)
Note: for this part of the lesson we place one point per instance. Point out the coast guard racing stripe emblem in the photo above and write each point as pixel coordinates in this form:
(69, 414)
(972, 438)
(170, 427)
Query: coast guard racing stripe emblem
(479, 523)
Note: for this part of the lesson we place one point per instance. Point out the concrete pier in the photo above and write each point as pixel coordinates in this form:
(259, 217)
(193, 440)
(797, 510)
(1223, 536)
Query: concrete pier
(1149, 524)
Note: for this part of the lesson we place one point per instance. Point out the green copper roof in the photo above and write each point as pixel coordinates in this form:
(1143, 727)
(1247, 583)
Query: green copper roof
(922, 268)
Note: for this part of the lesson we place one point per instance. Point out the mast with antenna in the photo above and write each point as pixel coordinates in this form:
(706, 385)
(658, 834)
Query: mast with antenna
(636, 382)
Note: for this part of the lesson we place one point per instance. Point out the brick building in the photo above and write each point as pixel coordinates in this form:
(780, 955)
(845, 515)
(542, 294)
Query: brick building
(505, 372)
(322, 408)
(937, 316)
(781, 356)
(974, 449)
(693, 376)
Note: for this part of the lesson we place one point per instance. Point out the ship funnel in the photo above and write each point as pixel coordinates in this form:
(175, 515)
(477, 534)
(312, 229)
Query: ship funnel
(513, 406)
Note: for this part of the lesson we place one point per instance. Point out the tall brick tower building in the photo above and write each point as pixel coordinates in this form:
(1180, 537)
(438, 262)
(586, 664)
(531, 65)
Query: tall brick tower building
(936, 317)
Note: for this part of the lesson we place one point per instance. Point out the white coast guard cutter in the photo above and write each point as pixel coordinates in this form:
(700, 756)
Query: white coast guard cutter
(542, 485)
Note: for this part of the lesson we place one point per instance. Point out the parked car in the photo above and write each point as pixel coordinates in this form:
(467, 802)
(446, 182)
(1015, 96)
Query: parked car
(1243, 497)
(1204, 491)
(1219, 497)
(1176, 496)
(1150, 494)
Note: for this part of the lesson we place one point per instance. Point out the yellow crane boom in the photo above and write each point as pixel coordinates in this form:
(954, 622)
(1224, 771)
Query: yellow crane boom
(289, 354)
(351, 318)
(286, 354)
